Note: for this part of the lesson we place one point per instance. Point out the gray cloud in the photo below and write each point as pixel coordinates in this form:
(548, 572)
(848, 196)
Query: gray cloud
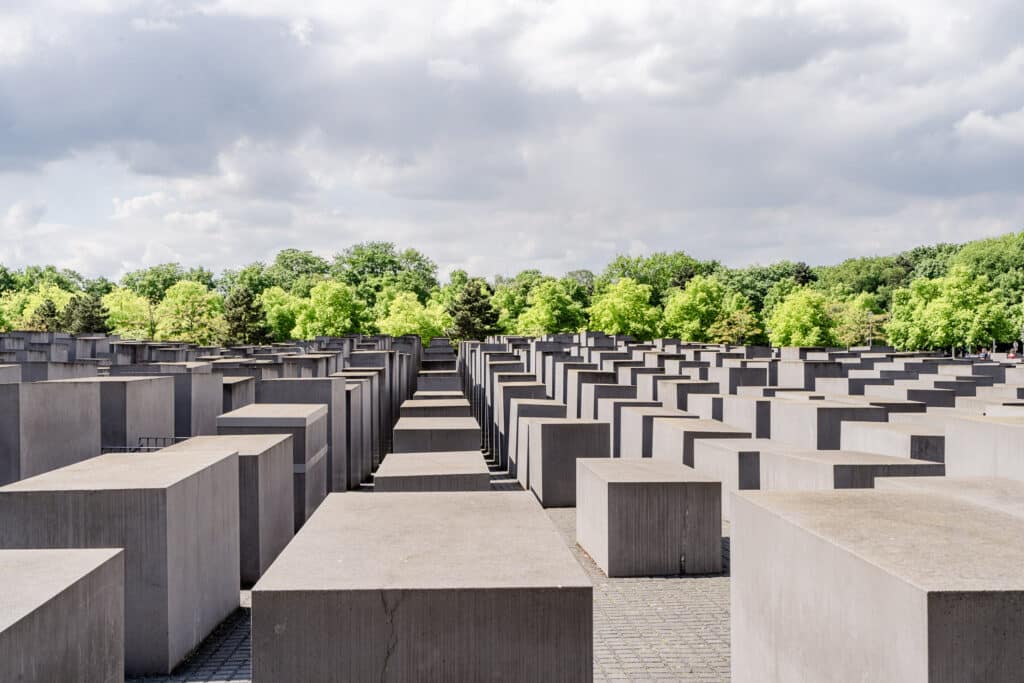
(500, 139)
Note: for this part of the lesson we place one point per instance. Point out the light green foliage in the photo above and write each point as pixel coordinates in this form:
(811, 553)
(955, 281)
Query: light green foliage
(296, 271)
(447, 294)
(738, 324)
(661, 271)
(372, 267)
(802, 319)
(191, 312)
(20, 306)
(692, 311)
(406, 315)
(961, 309)
(878, 275)
(511, 297)
(776, 295)
(127, 313)
(858, 318)
(625, 308)
(550, 309)
(281, 311)
(332, 310)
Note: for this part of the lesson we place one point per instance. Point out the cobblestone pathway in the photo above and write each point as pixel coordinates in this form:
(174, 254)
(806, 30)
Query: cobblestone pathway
(650, 629)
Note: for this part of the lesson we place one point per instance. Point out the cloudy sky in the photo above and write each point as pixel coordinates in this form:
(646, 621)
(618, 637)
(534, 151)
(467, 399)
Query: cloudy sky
(497, 136)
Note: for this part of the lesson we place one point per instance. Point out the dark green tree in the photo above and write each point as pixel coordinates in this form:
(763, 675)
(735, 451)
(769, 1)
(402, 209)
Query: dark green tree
(371, 267)
(297, 271)
(46, 317)
(244, 315)
(85, 314)
(473, 314)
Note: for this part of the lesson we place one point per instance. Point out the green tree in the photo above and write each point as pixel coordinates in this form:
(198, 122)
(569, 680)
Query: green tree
(281, 312)
(371, 267)
(661, 271)
(244, 316)
(253, 276)
(473, 313)
(802, 319)
(447, 294)
(190, 312)
(34, 277)
(296, 271)
(691, 312)
(127, 313)
(858, 318)
(625, 308)
(153, 283)
(19, 306)
(738, 324)
(511, 297)
(580, 284)
(550, 309)
(408, 316)
(45, 317)
(85, 314)
(959, 310)
(333, 309)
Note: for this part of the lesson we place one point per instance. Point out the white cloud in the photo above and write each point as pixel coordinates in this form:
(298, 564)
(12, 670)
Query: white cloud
(24, 215)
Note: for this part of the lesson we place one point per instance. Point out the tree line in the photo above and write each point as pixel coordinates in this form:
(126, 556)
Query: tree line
(930, 297)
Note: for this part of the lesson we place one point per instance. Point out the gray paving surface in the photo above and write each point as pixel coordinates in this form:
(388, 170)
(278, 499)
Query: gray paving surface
(649, 629)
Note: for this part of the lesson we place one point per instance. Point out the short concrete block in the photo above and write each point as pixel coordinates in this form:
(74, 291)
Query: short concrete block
(436, 434)
(555, 444)
(457, 471)
(673, 440)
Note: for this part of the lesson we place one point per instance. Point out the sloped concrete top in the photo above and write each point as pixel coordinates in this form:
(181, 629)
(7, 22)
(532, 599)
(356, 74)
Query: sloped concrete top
(245, 444)
(1005, 495)
(430, 423)
(118, 471)
(933, 542)
(34, 577)
(440, 540)
(429, 464)
(627, 471)
(273, 415)
(834, 457)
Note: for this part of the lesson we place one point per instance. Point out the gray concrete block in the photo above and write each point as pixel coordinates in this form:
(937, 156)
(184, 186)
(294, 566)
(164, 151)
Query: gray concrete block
(328, 391)
(518, 449)
(736, 463)
(591, 395)
(648, 518)
(817, 424)
(792, 469)
(454, 407)
(307, 424)
(238, 392)
(918, 441)
(134, 410)
(176, 516)
(266, 510)
(610, 410)
(874, 586)
(436, 434)
(555, 444)
(455, 471)
(673, 440)
(981, 446)
(494, 592)
(47, 425)
(62, 615)
(636, 428)
(749, 413)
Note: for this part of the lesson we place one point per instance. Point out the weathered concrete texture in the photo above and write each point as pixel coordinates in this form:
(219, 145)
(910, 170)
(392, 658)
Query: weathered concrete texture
(610, 410)
(420, 395)
(1003, 495)
(176, 516)
(749, 413)
(648, 518)
(46, 425)
(792, 469)
(494, 592)
(576, 379)
(736, 463)
(872, 586)
(265, 507)
(456, 471)
(674, 393)
(705, 406)
(555, 444)
(817, 424)
(328, 391)
(307, 425)
(438, 380)
(591, 395)
(673, 440)
(238, 392)
(198, 394)
(918, 441)
(133, 409)
(636, 428)
(519, 442)
(62, 615)
(10, 374)
(984, 446)
(357, 430)
(436, 434)
(452, 407)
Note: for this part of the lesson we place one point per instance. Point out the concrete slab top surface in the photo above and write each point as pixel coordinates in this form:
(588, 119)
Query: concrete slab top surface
(998, 493)
(699, 425)
(934, 542)
(626, 471)
(910, 428)
(273, 415)
(119, 471)
(431, 464)
(435, 403)
(33, 577)
(428, 541)
(832, 404)
(741, 445)
(106, 379)
(431, 423)
(841, 457)
(237, 379)
(245, 444)
(657, 411)
(536, 402)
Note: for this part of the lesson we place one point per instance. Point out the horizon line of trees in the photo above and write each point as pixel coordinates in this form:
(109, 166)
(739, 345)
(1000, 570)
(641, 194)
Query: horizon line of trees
(930, 297)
